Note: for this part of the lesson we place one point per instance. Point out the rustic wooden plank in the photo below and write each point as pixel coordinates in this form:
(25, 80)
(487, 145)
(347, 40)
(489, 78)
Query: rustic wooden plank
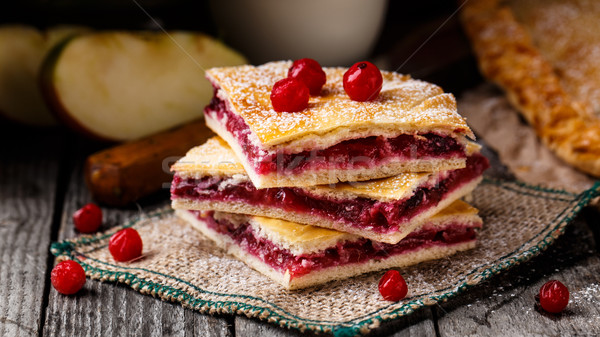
(253, 327)
(203, 325)
(506, 304)
(420, 323)
(114, 310)
(29, 165)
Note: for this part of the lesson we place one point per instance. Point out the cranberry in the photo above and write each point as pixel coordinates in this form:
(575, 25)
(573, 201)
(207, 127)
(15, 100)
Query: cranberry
(310, 72)
(67, 277)
(554, 296)
(392, 286)
(289, 95)
(125, 245)
(88, 218)
(363, 81)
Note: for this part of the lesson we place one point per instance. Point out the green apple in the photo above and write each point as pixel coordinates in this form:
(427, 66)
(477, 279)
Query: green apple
(22, 50)
(120, 86)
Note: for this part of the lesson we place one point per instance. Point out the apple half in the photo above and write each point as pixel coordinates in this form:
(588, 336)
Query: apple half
(120, 86)
(22, 51)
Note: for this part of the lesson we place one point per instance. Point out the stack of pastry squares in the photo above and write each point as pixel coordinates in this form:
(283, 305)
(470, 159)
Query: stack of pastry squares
(338, 189)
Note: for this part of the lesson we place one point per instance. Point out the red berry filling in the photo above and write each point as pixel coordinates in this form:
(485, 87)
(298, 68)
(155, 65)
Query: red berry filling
(363, 81)
(289, 94)
(554, 296)
(310, 72)
(392, 286)
(67, 277)
(125, 245)
(355, 153)
(378, 216)
(88, 218)
(343, 253)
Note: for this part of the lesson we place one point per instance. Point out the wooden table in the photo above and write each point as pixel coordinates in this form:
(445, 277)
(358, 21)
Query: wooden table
(41, 185)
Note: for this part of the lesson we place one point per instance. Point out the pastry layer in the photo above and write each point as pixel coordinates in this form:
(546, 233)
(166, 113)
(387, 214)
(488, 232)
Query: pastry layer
(413, 126)
(298, 256)
(384, 210)
(351, 160)
(404, 105)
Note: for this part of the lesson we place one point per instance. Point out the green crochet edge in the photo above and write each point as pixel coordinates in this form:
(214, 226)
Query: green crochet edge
(362, 325)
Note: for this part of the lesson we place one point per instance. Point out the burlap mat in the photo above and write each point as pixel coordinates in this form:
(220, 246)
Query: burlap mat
(180, 265)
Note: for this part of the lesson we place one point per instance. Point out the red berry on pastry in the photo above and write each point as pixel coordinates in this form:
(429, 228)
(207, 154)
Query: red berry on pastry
(392, 286)
(289, 95)
(554, 296)
(67, 277)
(88, 218)
(125, 245)
(310, 72)
(362, 82)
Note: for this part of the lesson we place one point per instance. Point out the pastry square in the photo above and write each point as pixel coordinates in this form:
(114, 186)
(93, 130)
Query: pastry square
(412, 126)
(210, 177)
(299, 256)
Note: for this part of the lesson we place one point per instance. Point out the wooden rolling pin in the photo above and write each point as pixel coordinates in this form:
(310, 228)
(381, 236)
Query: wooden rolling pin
(122, 174)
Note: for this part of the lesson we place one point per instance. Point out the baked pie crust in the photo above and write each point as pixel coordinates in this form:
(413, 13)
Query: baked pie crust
(299, 256)
(241, 113)
(545, 56)
(210, 177)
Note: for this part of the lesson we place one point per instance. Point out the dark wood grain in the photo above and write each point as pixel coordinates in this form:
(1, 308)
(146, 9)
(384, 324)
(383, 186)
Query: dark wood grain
(421, 323)
(29, 166)
(104, 309)
(506, 304)
(251, 327)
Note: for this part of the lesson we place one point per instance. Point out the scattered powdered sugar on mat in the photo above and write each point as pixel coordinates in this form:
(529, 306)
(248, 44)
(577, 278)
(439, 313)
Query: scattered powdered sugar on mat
(584, 302)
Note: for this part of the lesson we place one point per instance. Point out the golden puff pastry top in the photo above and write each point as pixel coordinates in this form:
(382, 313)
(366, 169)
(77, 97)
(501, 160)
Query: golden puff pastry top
(404, 105)
(216, 158)
(300, 238)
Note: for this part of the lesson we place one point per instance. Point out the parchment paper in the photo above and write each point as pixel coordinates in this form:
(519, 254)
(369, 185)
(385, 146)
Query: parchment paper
(494, 120)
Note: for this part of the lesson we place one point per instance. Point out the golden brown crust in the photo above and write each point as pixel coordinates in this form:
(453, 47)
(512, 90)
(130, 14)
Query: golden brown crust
(508, 56)
(214, 157)
(566, 34)
(404, 105)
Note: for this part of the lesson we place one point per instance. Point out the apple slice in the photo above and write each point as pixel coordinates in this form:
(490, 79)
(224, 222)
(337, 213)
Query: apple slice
(120, 86)
(22, 50)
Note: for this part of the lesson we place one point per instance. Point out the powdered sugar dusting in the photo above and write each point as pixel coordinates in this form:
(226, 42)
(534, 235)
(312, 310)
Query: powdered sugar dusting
(581, 300)
(404, 104)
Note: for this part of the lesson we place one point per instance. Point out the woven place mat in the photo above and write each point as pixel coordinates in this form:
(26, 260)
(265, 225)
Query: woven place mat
(180, 265)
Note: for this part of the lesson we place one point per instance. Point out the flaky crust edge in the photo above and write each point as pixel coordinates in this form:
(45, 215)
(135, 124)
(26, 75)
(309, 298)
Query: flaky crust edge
(328, 274)
(241, 207)
(325, 177)
(507, 56)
